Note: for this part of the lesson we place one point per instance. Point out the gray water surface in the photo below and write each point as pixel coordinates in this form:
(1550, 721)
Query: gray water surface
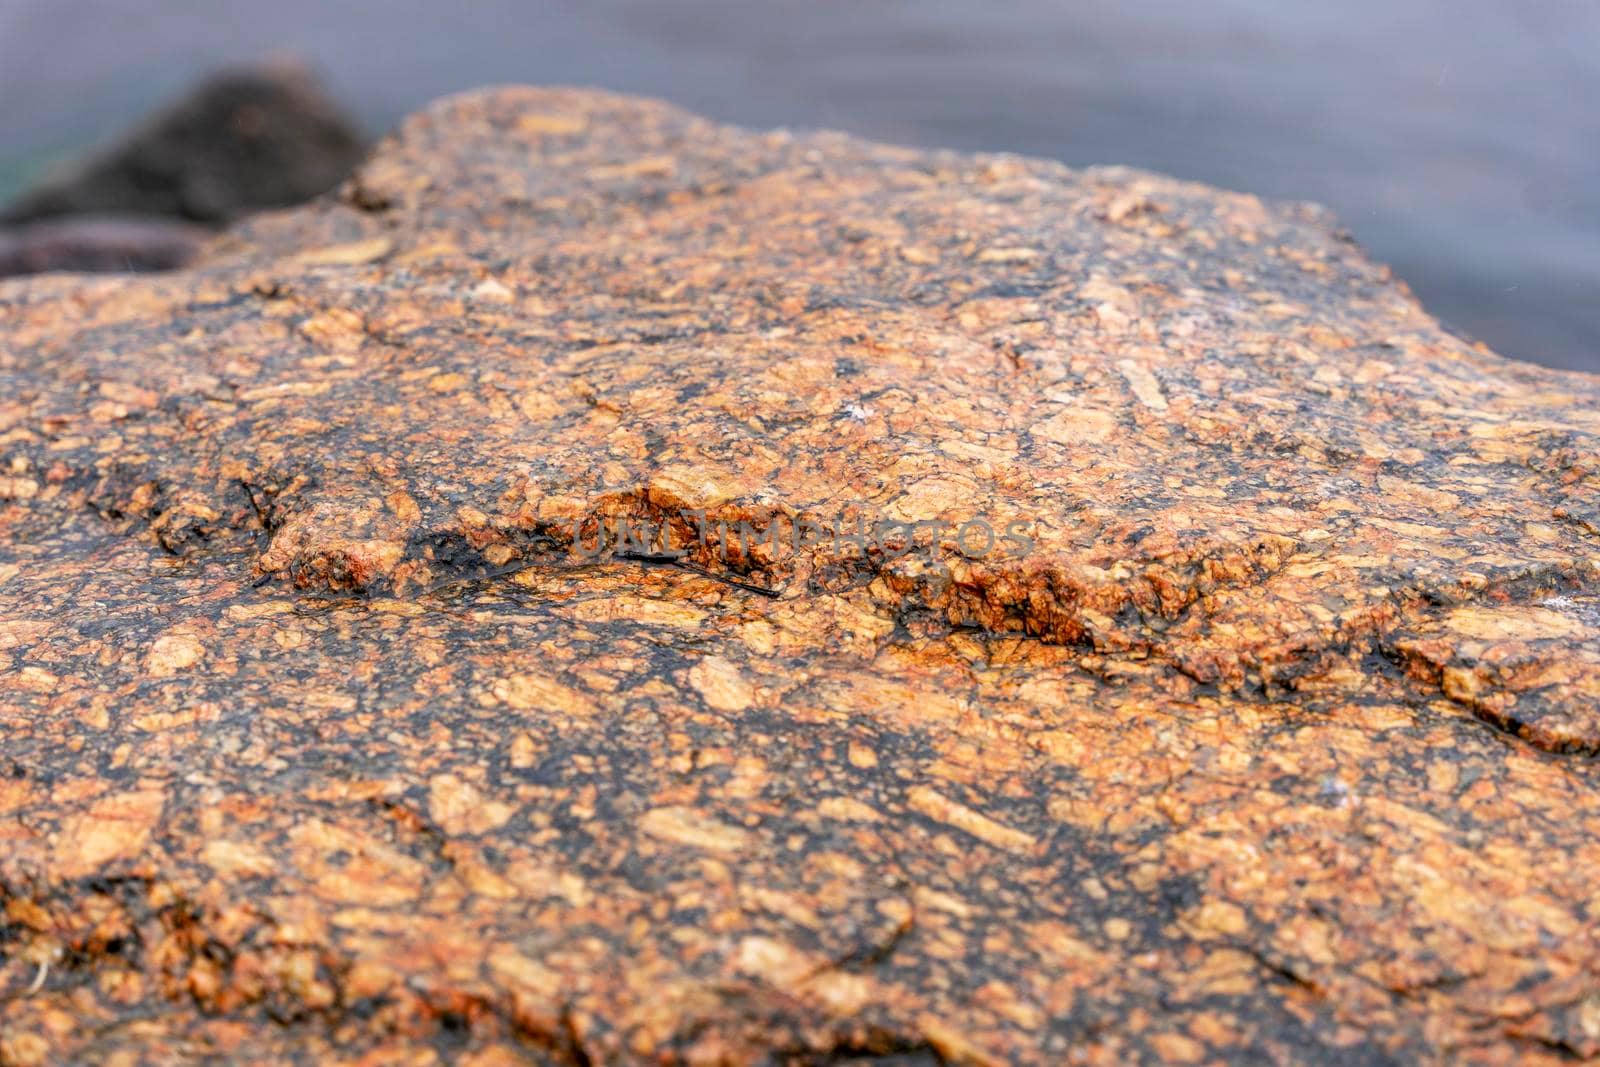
(1458, 139)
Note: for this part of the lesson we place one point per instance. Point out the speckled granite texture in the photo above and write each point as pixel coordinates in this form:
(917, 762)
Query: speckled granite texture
(1260, 728)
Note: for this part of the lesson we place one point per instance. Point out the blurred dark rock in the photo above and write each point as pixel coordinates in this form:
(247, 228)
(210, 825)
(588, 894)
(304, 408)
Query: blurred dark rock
(99, 243)
(243, 139)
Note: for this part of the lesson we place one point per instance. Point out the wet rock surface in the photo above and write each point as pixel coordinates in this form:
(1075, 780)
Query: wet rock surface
(610, 588)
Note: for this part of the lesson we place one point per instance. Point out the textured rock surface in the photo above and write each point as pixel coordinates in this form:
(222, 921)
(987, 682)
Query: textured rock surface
(1267, 735)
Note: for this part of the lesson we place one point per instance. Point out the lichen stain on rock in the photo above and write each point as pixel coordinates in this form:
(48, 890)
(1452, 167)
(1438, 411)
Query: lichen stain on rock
(1270, 738)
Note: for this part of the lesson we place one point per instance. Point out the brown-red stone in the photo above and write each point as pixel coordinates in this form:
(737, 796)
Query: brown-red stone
(1063, 616)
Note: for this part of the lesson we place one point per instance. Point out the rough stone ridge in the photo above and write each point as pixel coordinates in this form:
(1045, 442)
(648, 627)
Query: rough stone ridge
(1262, 728)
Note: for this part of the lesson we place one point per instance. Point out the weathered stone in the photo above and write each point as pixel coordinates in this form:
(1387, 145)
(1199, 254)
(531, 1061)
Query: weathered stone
(1243, 706)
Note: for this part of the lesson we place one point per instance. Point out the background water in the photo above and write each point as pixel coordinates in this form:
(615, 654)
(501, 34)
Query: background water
(1459, 139)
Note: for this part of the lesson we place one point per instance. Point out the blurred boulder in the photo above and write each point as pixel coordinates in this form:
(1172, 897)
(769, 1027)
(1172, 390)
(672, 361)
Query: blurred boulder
(241, 140)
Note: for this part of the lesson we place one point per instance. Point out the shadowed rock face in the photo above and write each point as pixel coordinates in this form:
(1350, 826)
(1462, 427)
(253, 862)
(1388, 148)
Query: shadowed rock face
(1061, 615)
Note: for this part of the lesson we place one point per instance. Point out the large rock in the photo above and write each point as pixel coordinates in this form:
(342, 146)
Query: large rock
(1262, 730)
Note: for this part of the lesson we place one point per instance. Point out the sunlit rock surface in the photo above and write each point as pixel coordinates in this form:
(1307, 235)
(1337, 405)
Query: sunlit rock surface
(609, 588)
